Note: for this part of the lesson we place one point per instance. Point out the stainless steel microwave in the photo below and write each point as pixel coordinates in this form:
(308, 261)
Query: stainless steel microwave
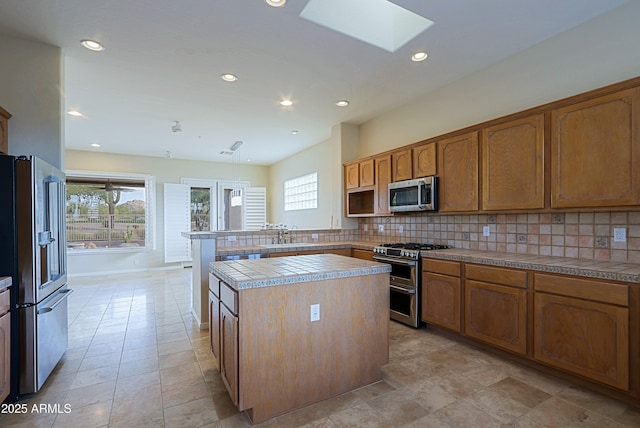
(420, 194)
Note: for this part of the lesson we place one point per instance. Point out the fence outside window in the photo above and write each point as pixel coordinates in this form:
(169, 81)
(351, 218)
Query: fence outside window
(105, 230)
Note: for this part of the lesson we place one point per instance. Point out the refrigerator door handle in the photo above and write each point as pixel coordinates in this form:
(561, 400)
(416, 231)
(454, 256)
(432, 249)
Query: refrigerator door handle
(58, 298)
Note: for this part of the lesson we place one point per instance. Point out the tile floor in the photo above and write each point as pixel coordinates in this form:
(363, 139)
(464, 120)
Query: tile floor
(135, 359)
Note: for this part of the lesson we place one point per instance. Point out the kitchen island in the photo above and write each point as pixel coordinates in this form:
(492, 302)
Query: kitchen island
(293, 331)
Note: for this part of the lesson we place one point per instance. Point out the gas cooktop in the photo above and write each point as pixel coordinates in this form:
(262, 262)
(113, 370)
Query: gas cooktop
(415, 246)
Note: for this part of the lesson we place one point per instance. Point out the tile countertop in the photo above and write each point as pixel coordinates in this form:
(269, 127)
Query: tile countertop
(612, 270)
(5, 282)
(243, 274)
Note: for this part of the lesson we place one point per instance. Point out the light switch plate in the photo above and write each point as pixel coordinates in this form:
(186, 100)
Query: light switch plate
(381, 228)
(315, 312)
(231, 238)
(486, 230)
(400, 229)
(314, 236)
(619, 234)
(366, 227)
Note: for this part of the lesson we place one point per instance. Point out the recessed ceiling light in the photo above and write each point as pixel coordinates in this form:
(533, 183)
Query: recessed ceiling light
(295, 132)
(286, 103)
(228, 77)
(275, 3)
(419, 56)
(92, 45)
(95, 145)
(342, 103)
(74, 113)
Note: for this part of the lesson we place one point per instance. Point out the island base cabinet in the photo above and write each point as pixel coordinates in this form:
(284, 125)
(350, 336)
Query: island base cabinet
(287, 361)
(214, 327)
(496, 315)
(229, 352)
(588, 338)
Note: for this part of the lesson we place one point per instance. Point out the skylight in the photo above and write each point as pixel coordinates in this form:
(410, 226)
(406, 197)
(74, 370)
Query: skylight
(377, 22)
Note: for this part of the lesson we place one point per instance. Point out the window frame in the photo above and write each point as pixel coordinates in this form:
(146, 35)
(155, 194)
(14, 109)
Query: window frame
(150, 215)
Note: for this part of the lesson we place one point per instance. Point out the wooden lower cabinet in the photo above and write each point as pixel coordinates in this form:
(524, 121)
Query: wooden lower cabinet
(5, 356)
(496, 314)
(214, 327)
(441, 299)
(229, 352)
(362, 254)
(590, 339)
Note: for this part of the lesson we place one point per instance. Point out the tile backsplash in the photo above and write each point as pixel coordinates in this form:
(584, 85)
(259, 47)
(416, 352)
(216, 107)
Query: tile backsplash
(587, 235)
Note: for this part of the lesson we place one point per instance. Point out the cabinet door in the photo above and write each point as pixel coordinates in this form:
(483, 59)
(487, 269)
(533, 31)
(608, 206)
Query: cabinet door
(362, 254)
(587, 338)
(367, 177)
(5, 356)
(496, 314)
(4, 135)
(352, 176)
(229, 352)
(402, 165)
(383, 174)
(595, 152)
(424, 160)
(214, 327)
(513, 165)
(441, 300)
(458, 172)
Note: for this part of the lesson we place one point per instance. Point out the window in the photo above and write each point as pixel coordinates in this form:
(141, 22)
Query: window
(109, 211)
(301, 193)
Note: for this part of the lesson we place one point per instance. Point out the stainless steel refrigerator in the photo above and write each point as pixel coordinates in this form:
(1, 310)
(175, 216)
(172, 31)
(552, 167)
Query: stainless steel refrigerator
(33, 253)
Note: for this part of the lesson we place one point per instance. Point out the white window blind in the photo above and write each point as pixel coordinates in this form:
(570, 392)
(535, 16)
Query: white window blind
(254, 208)
(177, 200)
(301, 193)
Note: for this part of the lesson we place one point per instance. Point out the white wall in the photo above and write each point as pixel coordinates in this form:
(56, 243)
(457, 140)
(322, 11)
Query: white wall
(326, 159)
(31, 90)
(592, 55)
(164, 171)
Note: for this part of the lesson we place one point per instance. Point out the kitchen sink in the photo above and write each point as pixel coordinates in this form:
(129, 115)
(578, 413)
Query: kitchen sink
(289, 245)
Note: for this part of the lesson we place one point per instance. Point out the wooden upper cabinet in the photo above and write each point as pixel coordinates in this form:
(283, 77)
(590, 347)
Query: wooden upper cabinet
(352, 175)
(4, 131)
(595, 152)
(367, 176)
(402, 161)
(383, 174)
(513, 165)
(424, 160)
(458, 172)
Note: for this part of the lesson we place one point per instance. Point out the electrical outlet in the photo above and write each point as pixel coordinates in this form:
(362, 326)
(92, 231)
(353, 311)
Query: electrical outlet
(486, 230)
(366, 227)
(135, 261)
(400, 229)
(314, 236)
(619, 234)
(231, 238)
(381, 228)
(315, 312)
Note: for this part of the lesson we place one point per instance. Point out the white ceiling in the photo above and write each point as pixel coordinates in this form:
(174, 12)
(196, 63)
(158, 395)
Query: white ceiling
(163, 61)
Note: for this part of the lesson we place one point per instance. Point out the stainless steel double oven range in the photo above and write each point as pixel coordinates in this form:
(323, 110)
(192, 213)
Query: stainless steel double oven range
(404, 281)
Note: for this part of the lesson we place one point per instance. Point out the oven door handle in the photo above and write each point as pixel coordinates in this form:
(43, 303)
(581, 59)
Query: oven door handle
(402, 290)
(394, 261)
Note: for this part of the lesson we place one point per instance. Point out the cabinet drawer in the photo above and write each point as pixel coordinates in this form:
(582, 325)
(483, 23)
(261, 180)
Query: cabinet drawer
(5, 304)
(510, 277)
(441, 266)
(229, 297)
(598, 291)
(214, 285)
